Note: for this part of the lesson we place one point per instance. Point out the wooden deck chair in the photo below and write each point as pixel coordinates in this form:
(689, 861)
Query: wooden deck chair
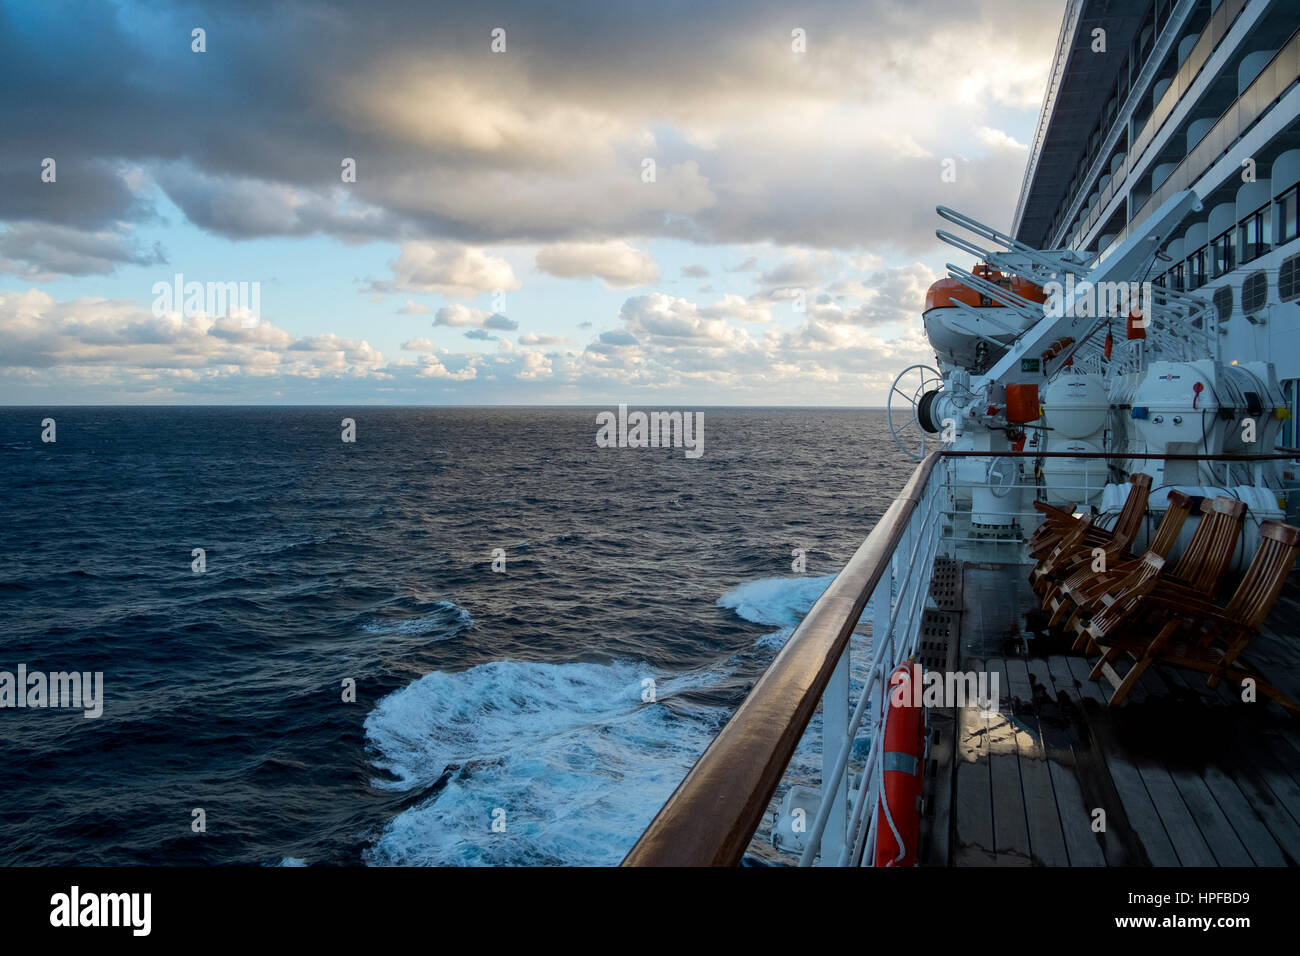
(1064, 551)
(1115, 604)
(1057, 522)
(1061, 597)
(1200, 636)
(1199, 573)
(1067, 591)
(1123, 600)
(1113, 542)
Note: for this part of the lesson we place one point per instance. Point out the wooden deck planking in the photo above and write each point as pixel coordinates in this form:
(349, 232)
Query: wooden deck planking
(1046, 840)
(1135, 833)
(1185, 774)
(936, 839)
(1083, 847)
(972, 811)
(1010, 819)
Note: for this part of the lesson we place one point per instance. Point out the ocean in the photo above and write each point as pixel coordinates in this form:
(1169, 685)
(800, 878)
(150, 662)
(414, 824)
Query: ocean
(470, 636)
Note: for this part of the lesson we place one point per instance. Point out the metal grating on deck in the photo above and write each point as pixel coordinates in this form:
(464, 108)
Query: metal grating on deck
(945, 584)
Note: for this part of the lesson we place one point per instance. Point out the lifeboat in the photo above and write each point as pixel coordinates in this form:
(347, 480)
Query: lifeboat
(963, 340)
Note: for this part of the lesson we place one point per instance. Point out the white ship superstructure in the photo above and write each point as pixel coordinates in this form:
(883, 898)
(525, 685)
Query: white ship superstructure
(1160, 211)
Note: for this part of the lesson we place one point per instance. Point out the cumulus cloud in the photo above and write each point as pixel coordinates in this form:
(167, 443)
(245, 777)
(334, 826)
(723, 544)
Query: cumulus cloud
(458, 272)
(458, 314)
(802, 268)
(37, 331)
(536, 338)
(617, 263)
(663, 345)
(732, 306)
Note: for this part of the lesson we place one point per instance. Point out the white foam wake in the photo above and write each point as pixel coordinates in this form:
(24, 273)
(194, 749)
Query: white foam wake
(445, 621)
(572, 755)
(780, 602)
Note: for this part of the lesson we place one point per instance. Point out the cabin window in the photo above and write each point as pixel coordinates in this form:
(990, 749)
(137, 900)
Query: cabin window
(1253, 235)
(1196, 268)
(1222, 253)
(1287, 226)
(1176, 278)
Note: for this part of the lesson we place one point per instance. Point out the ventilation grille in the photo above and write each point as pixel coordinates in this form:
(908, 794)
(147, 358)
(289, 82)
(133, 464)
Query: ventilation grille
(1286, 279)
(1223, 302)
(1254, 293)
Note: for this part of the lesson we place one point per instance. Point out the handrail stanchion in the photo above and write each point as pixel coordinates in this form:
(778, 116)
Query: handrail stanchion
(835, 725)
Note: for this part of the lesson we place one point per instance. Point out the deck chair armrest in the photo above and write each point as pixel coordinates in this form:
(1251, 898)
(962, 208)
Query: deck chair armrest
(1051, 511)
(1187, 606)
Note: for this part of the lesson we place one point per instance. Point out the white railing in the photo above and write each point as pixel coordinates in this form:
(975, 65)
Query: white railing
(843, 832)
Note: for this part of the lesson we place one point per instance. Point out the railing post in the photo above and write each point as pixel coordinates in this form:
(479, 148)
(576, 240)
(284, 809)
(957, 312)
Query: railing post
(835, 726)
(879, 607)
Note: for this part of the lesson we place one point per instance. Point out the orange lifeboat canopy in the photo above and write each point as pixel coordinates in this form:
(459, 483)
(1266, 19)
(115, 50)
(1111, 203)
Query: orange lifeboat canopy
(944, 293)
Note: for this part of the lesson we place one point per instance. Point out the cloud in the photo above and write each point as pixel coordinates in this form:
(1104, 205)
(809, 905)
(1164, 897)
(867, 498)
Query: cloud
(457, 314)
(664, 347)
(534, 338)
(124, 340)
(997, 139)
(618, 264)
(892, 295)
(802, 268)
(431, 366)
(457, 272)
(41, 252)
(481, 335)
(838, 147)
(471, 164)
(660, 316)
(732, 306)
(617, 337)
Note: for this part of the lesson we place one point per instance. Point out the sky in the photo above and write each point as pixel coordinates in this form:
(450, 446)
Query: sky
(552, 203)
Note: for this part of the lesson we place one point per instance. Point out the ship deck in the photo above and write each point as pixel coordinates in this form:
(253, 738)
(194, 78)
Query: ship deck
(1186, 776)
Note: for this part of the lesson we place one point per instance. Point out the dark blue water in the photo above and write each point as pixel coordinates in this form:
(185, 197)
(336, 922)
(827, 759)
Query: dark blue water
(514, 697)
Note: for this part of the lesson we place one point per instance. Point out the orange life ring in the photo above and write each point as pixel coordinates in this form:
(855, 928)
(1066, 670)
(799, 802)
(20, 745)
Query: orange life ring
(903, 764)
